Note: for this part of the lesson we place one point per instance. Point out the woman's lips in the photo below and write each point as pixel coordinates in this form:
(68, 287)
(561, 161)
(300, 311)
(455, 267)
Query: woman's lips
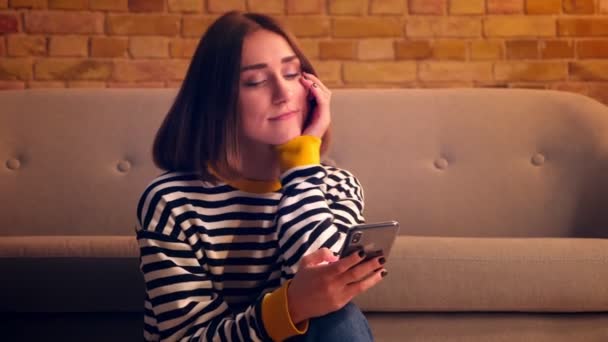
(284, 116)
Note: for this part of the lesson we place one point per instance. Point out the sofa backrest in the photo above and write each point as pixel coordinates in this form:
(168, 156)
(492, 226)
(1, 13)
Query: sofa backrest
(457, 162)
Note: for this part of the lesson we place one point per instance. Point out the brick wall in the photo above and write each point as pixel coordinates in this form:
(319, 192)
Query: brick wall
(552, 44)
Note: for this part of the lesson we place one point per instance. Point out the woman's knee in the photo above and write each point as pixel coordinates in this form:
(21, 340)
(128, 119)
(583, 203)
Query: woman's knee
(346, 324)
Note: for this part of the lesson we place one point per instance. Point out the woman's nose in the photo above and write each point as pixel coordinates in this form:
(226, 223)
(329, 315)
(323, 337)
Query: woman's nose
(282, 91)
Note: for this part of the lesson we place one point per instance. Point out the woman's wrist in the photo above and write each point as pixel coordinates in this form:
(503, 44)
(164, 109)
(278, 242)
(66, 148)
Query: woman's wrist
(299, 151)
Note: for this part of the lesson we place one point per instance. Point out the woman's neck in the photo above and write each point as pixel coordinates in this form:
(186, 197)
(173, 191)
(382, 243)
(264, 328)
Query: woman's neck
(259, 162)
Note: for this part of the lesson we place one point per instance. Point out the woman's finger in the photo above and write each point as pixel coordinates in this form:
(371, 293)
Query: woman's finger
(362, 270)
(343, 265)
(316, 81)
(353, 289)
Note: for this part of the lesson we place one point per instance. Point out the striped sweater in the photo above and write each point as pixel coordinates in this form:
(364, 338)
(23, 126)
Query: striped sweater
(217, 257)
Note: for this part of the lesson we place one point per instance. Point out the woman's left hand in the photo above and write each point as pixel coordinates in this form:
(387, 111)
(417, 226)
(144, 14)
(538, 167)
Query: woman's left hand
(320, 115)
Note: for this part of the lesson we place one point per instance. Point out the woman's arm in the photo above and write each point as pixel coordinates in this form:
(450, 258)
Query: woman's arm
(181, 299)
(318, 206)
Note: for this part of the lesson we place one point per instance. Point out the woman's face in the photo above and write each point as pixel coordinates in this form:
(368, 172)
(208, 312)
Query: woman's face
(272, 102)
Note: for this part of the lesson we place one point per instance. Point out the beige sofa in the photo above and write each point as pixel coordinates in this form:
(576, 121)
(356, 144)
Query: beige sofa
(502, 197)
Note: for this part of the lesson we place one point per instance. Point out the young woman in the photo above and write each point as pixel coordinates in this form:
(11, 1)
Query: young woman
(238, 237)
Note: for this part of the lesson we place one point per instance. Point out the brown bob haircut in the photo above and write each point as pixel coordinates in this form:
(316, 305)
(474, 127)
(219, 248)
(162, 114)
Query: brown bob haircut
(201, 128)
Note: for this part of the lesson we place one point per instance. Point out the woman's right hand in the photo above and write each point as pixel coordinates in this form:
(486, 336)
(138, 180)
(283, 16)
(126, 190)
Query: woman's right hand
(318, 289)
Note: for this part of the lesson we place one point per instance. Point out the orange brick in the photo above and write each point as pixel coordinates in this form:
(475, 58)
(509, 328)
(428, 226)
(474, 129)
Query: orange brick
(109, 47)
(329, 72)
(589, 70)
(151, 84)
(522, 49)
(574, 87)
(445, 84)
(183, 48)
(33, 4)
(543, 6)
(603, 6)
(173, 84)
(579, 6)
(267, 6)
(582, 27)
(13, 69)
(186, 6)
(69, 4)
(308, 26)
(221, 6)
(382, 72)
(64, 22)
(86, 84)
(11, 85)
(3, 3)
(149, 24)
(598, 91)
(449, 49)
(146, 5)
(310, 48)
(23, 45)
(530, 71)
(519, 26)
(305, 6)
(455, 71)
(505, 6)
(45, 84)
(150, 70)
(72, 69)
(9, 23)
(367, 27)
(467, 6)
(592, 48)
(376, 49)
(418, 27)
(556, 49)
(337, 49)
(387, 6)
(348, 7)
(109, 5)
(415, 49)
(2, 46)
(526, 85)
(431, 7)
(149, 47)
(196, 26)
(71, 46)
(486, 50)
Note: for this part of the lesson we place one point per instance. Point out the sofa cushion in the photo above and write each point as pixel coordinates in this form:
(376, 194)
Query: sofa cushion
(493, 274)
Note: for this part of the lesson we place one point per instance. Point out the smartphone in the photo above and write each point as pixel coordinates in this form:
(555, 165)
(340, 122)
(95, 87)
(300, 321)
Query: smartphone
(374, 238)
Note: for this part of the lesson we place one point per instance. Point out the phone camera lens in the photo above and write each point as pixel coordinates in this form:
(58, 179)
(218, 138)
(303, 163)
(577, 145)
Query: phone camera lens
(356, 238)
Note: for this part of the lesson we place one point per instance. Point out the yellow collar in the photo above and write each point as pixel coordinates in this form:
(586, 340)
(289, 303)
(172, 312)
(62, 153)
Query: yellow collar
(250, 185)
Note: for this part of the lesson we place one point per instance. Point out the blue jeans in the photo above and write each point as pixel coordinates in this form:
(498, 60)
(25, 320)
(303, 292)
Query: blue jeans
(346, 324)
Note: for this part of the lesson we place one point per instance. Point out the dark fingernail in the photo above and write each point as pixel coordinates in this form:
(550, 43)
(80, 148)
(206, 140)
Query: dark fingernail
(361, 253)
(382, 261)
(383, 273)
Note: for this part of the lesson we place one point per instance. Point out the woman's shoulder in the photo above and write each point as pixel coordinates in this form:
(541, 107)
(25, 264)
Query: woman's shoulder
(174, 186)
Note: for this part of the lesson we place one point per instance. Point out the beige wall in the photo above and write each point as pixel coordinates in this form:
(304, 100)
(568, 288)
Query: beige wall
(555, 44)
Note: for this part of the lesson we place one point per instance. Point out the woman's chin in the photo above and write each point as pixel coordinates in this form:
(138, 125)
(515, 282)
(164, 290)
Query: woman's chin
(285, 137)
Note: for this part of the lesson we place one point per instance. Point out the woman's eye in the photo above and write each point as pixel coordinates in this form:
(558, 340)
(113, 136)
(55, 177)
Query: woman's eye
(254, 83)
(293, 75)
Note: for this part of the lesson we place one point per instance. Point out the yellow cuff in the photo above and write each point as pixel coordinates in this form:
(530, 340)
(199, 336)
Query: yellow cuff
(299, 151)
(276, 318)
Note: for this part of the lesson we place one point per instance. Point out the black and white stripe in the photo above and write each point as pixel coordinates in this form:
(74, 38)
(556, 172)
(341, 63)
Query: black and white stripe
(209, 251)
